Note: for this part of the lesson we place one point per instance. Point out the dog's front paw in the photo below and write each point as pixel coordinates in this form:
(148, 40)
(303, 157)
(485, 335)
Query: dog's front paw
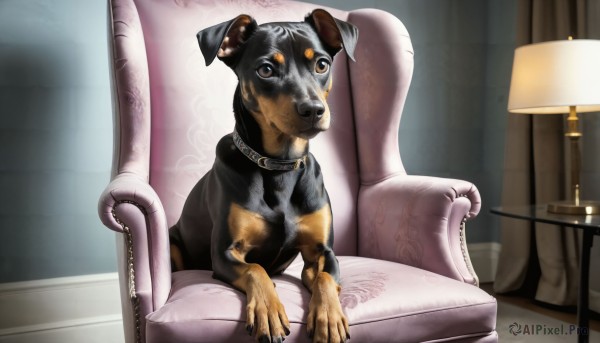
(326, 322)
(267, 319)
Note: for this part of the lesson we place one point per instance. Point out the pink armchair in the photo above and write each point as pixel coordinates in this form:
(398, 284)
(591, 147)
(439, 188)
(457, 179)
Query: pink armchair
(405, 270)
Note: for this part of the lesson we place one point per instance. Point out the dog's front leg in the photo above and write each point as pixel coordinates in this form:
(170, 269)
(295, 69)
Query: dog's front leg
(266, 317)
(326, 321)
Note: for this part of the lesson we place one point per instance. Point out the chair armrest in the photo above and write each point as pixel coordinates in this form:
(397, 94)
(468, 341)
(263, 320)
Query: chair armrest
(419, 221)
(130, 206)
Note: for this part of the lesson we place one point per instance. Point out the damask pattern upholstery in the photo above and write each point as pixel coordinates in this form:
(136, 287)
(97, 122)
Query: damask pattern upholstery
(406, 273)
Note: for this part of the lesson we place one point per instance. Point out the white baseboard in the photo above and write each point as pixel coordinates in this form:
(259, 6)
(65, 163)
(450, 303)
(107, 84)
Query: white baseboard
(72, 309)
(484, 257)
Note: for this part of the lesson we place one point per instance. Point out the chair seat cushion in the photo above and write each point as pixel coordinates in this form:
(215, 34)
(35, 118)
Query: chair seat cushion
(384, 302)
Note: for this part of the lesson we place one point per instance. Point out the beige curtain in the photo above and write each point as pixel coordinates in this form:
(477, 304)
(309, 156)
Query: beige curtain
(541, 260)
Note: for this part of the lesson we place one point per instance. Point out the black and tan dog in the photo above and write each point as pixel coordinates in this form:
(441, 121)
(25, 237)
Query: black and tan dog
(264, 201)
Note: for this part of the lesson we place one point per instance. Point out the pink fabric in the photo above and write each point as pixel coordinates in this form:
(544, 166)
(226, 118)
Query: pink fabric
(376, 297)
(380, 81)
(131, 82)
(415, 220)
(170, 110)
(491, 338)
(136, 205)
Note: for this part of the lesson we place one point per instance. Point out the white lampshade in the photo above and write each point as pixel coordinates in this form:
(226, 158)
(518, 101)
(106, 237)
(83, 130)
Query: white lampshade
(549, 77)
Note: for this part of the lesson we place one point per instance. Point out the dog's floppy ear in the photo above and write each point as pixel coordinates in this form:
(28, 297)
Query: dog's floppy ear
(225, 40)
(333, 32)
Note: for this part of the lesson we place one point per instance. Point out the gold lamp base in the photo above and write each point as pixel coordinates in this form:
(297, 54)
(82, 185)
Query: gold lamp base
(574, 208)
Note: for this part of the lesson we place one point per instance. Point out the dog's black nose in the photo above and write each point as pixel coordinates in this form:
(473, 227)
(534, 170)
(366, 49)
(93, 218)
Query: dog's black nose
(311, 109)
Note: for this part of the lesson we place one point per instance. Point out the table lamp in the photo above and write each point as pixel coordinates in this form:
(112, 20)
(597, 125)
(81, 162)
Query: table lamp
(559, 77)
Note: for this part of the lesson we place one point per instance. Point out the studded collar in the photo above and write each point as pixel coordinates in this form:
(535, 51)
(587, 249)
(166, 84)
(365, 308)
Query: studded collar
(267, 162)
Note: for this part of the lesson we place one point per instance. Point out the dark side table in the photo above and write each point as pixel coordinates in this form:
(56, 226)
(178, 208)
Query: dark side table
(590, 224)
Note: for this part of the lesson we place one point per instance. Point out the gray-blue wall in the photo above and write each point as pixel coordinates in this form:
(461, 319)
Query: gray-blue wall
(56, 126)
(55, 139)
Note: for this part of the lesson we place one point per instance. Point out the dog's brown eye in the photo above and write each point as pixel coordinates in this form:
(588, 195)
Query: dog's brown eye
(322, 66)
(265, 71)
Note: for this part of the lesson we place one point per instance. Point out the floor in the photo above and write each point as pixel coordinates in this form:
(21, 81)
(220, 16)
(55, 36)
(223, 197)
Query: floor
(522, 321)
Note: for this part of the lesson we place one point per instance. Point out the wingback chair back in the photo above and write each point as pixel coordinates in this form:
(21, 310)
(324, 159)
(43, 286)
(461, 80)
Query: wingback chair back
(170, 111)
(190, 104)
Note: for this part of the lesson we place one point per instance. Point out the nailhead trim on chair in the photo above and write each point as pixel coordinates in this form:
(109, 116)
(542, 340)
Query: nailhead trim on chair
(135, 301)
(465, 252)
(463, 247)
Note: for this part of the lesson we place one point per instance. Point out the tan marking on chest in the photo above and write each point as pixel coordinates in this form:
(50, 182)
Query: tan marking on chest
(247, 229)
(313, 229)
